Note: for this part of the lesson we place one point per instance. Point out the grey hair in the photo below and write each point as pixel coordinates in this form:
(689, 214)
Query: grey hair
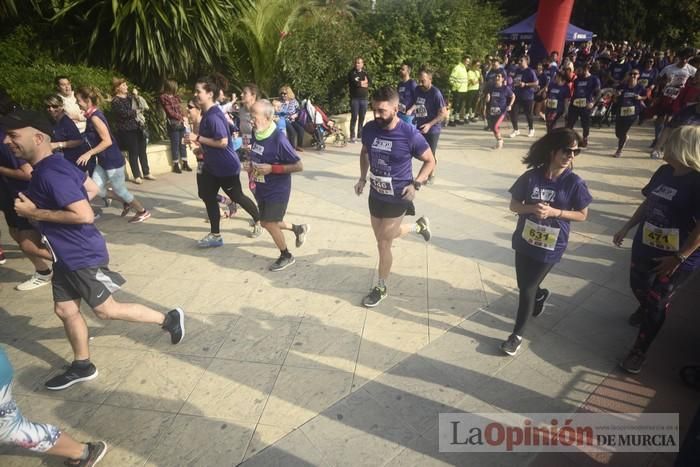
(267, 109)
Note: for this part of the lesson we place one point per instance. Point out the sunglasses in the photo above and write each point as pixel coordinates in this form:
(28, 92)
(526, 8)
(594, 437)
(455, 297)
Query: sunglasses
(283, 94)
(569, 152)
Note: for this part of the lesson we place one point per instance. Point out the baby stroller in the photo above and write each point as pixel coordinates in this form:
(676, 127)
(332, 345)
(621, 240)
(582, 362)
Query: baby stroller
(318, 125)
(602, 110)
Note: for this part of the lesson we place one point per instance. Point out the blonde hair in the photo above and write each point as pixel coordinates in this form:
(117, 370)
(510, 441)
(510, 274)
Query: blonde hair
(288, 90)
(683, 146)
(90, 92)
(53, 99)
(116, 82)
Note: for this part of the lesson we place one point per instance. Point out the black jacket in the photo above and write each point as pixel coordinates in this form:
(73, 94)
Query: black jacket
(354, 78)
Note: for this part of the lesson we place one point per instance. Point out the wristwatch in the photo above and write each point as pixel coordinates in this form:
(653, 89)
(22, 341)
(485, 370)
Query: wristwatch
(417, 185)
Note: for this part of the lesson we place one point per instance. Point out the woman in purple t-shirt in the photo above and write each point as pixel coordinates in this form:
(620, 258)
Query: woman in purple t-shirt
(666, 246)
(546, 198)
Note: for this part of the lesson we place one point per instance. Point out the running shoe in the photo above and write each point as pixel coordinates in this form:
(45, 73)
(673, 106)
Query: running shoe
(140, 217)
(424, 228)
(499, 144)
(511, 345)
(304, 229)
(656, 154)
(149, 177)
(37, 280)
(353, 140)
(126, 207)
(256, 232)
(137, 180)
(96, 213)
(531, 133)
(107, 200)
(175, 324)
(515, 133)
(282, 263)
(376, 295)
(633, 362)
(653, 143)
(3, 258)
(540, 301)
(72, 375)
(617, 154)
(96, 451)
(584, 143)
(635, 318)
(210, 241)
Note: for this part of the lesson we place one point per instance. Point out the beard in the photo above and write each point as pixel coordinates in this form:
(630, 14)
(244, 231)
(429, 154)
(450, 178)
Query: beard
(384, 122)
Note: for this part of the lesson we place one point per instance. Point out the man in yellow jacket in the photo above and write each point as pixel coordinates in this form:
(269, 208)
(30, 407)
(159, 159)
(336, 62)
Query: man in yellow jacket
(459, 83)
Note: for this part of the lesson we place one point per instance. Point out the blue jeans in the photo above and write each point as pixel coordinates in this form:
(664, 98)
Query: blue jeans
(177, 149)
(117, 178)
(358, 109)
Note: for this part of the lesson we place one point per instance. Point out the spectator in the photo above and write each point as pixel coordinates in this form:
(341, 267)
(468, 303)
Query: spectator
(70, 105)
(130, 131)
(290, 111)
(358, 81)
(176, 126)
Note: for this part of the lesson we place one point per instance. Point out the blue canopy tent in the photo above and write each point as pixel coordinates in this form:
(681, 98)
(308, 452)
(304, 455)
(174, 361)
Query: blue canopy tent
(524, 31)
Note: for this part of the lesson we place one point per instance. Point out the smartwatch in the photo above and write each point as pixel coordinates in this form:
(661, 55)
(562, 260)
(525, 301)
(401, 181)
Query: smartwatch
(417, 185)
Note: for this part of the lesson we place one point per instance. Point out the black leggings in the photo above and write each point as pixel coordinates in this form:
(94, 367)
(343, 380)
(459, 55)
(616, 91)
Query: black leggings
(208, 187)
(622, 127)
(134, 142)
(526, 107)
(530, 274)
(295, 133)
(574, 114)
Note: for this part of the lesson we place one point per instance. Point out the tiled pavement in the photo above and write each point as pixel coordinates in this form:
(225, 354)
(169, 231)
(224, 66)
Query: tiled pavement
(286, 369)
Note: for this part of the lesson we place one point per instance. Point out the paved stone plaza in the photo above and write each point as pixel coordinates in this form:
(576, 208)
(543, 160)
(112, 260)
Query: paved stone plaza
(286, 369)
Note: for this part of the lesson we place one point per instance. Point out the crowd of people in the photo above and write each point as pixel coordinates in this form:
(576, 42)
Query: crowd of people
(56, 165)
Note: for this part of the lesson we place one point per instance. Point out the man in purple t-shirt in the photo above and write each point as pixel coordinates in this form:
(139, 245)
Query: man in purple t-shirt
(57, 200)
(388, 148)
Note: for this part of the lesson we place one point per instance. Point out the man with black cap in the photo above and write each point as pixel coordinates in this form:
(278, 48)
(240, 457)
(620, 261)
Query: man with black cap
(57, 200)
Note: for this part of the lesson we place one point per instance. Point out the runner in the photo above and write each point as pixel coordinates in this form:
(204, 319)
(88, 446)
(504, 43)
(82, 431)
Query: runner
(546, 198)
(630, 95)
(430, 112)
(407, 93)
(58, 201)
(39, 437)
(557, 103)
(524, 84)
(221, 167)
(273, 161)
(110, 162)
(586, 91)
(499, 101)
(665, 247)
(459, 84)
(541, 91)
(388, 148)
(489, 80)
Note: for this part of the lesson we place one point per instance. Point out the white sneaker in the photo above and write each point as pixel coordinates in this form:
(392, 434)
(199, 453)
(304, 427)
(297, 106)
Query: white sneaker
(37, 280)
(515, 133)
(531, 133)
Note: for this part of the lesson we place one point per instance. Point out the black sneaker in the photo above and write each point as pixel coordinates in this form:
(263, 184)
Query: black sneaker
(72, 375)
(304, 229)
(376, 295)
(540, 301)
(424, 225)
(96, 451)
(633, 362)
(283, 262)
(635, 318)
(511, 345)
(175, 324)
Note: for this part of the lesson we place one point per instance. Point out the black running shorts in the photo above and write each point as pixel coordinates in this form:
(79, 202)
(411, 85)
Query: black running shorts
(94, 285)
(272, 211)
(383, 210)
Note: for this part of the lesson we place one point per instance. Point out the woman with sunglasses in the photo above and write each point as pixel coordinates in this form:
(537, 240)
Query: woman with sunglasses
(290, 111)
(666, 246)
(628, 100)
(547, 197)
(66, 136)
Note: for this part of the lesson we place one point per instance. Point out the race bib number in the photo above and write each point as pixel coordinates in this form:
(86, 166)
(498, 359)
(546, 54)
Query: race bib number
(671, 91)
(540, 236)
(382, 185)
(580, 102)
(660, 238)
(552, 103)
(258, 177)
(421, 111)
(495, 111)
(627, 111)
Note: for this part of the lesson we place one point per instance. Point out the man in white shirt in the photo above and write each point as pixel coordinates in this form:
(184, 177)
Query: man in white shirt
(70, 106)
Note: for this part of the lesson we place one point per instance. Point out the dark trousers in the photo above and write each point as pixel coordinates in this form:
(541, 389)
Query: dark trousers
(530, 273)
(459, 103)
(622, 127)
(472, 97)
(584, 113)
(358, 109)
(551, 119)
(654, 295)
(177, 149)
(134, 143)
(526, 107)
(208, 187)
(432, 139)
(295, 133)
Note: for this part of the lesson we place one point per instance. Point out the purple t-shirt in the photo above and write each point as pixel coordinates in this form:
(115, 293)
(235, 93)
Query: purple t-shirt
(527, 76)
(55, 184)
(220, 162)
(275, 149)
(407, 94)
(66, 130)
(619, 70)
(628, 105)
(567, 192)
(672, 212)
(111, 158)
(7, 159)
(428, 105)
(390, 158)
(500, 97)
(585, 88)
(558, 93)
(648, 77)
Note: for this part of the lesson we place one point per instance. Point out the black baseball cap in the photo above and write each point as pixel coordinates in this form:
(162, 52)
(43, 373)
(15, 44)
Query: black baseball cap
(27, 118)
